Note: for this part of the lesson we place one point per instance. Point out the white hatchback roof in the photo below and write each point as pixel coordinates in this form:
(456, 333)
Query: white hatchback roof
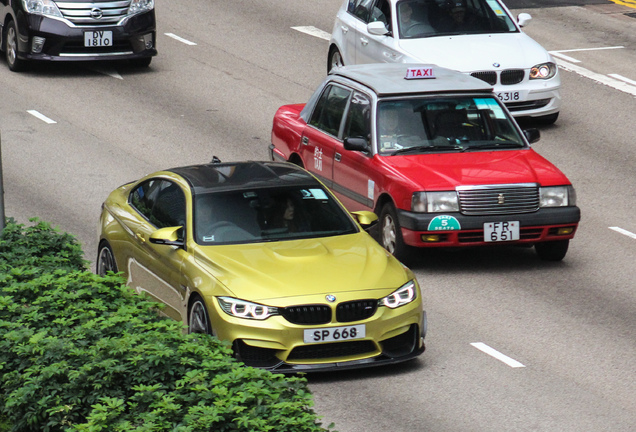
(391, 78)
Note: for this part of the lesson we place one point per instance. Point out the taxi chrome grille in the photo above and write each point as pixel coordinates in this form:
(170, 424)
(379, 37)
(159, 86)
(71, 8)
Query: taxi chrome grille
(332, 350)
(498, 199)
(307, 314)
(489, 76)
(94, 13)
(511, 76)
(356, 310)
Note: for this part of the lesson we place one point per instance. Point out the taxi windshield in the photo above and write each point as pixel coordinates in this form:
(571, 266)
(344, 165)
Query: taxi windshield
(268, 214)
(444, 124)
(425, 18)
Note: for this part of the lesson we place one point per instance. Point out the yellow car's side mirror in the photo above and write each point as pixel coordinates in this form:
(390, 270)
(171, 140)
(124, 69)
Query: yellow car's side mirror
(167, 236)
(365, 218)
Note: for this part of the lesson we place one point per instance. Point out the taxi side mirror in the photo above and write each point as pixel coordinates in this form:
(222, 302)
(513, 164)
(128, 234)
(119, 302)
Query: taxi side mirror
(365, 218)
(377, 28)
(532, 135)
(523, 19)
(166, 236)
(356, 144)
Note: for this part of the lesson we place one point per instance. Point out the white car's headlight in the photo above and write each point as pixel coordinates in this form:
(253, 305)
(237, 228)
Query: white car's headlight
(244, 309)
(41, 7)
(543, 71)
(557, 196)
(137, 6)
(403, 295)
(435, 202)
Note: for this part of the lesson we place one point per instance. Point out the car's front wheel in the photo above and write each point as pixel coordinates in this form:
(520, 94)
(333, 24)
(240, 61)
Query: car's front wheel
(11, 49)
(198, 317)
(552, 250)
(105, 259)
(390, 232)
(334, 59)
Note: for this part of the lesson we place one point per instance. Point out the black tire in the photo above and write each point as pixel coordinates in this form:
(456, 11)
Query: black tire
(198, 317)
(296, 160)
(141, 62)
(105, 260)
(11, 49)
(552, 250)
(389, 232)
(334, 59)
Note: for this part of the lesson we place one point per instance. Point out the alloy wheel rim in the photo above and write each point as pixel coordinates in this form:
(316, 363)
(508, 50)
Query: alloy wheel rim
(198, 319)
(105, 262)
(11, 45)
(388, 234)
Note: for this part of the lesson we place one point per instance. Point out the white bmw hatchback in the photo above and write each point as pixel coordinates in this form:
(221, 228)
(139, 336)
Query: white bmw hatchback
(476, 37)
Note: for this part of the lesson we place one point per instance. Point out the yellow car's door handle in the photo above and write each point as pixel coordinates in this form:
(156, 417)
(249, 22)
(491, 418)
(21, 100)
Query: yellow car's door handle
(140, 237)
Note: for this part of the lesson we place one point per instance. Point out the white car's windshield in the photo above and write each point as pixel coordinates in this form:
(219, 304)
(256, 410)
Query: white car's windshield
(444, 124)
(426, 18)
(259, 215)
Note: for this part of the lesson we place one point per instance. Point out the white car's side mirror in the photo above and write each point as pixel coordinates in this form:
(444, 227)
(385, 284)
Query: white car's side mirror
(523, 19)
(377, 28)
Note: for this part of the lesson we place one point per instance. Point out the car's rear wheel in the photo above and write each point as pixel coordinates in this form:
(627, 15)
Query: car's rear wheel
(198, 317)
(390, 233)
(11, 49)
(552, 250)
(105, 259)
(334, 59)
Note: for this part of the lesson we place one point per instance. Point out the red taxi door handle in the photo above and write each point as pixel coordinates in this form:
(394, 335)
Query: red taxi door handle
(304, 140)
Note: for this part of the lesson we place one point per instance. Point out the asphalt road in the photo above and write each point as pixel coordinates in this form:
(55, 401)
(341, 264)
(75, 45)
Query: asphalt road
(569, 326)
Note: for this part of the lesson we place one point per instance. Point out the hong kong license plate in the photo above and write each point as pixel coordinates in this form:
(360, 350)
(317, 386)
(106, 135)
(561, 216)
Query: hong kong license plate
(501, 231)
(98, 38)
(513, 96)
(334, 334)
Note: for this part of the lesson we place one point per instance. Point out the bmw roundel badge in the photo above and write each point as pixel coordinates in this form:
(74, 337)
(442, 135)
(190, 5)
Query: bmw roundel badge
(330, 298)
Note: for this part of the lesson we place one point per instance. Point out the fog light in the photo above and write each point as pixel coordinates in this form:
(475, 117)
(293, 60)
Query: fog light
(37, 44)
(431, 238)
(565, 231)
(148, 42)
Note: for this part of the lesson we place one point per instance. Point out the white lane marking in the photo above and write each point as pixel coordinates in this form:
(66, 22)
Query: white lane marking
(496, 354)
(106, 71)
(624, 232)
(559, 53)
(313, 31)
(622, 78)
(603, 79)
(42, 117)
(180, 39)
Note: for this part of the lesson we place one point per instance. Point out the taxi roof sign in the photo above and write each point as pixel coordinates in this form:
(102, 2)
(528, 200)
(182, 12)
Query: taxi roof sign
(420, 73)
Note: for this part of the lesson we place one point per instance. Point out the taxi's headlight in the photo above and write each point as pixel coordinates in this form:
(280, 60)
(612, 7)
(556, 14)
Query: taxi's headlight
(244, 309)
(557, 196)
(543, 71)
(435, 202)
(137, 6)
(41, 7)
(403, 295)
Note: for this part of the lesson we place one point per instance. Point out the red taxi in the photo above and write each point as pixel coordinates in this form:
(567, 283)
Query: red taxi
(434, 154)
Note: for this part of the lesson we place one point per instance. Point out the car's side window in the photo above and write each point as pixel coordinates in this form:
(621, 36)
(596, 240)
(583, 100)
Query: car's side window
(327, 115)
(360, 9)
(382, 12)
(169, 208)
(358, 124)
(160, 201)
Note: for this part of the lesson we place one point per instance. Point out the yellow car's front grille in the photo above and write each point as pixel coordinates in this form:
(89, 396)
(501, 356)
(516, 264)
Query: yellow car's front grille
(356, 310)
(312, 314)
(331, 350)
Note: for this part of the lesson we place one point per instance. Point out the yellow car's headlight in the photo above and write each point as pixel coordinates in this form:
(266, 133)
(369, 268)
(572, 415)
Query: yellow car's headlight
(244, 309)
(403, 295)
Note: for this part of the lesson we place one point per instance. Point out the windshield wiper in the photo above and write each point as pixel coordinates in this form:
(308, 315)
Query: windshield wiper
(426, 148)
(494, 145)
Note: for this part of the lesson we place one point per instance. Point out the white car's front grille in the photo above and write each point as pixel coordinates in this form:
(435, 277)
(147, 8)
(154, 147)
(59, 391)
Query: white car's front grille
(94, 13)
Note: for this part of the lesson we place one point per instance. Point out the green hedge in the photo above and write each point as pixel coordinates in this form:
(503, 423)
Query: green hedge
(80, 352)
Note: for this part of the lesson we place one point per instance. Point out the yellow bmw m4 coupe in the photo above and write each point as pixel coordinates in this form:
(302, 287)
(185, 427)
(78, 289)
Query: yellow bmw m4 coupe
(262, 255)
